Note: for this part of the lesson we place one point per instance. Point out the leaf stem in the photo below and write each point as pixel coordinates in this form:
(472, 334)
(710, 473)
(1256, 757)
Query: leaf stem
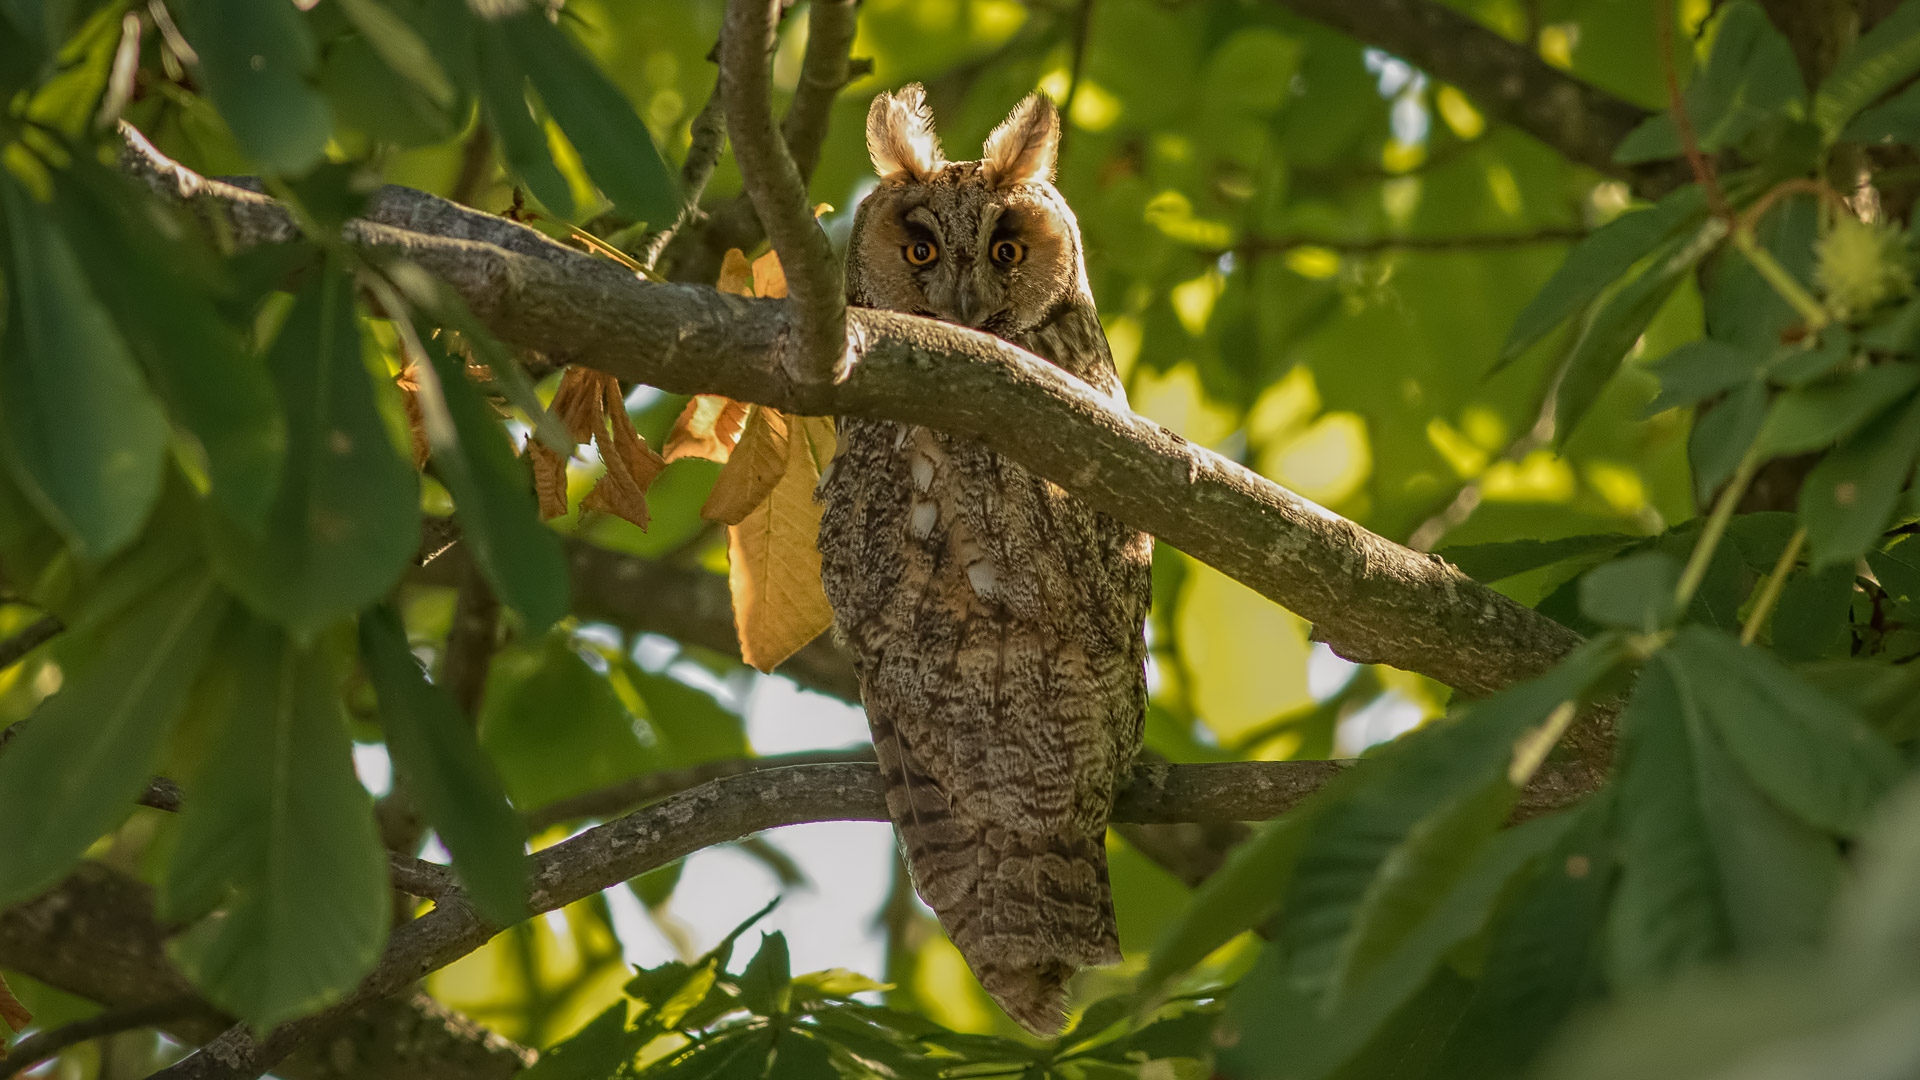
(1770, 588)
(1783, 282)
(1716, 527)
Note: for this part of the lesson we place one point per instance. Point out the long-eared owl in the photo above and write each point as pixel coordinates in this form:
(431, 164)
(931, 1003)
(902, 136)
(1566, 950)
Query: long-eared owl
(996, 621)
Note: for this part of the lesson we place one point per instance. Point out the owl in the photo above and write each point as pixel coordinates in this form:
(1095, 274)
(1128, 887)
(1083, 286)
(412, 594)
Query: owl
(995, 621)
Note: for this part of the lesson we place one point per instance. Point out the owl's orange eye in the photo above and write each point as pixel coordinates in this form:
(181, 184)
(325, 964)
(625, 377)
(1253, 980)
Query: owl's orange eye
(1009, 252)
(920, 252)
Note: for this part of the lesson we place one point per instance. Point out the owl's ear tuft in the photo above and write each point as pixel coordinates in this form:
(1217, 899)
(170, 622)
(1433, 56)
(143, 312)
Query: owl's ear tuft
(900, 136)
(1022, 149)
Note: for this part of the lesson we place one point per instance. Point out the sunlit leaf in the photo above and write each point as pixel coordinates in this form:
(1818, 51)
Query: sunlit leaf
(709, 427)
(773, 564)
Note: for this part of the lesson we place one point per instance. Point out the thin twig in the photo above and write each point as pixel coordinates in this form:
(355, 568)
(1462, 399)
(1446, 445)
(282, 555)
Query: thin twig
(37, 633)
(709, 141)
(779, 192)
(1274, 245)
(1703, 173)
(35, 1049)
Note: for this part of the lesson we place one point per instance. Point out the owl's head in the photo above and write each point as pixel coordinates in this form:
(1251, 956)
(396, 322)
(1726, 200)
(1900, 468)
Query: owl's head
(988, 244)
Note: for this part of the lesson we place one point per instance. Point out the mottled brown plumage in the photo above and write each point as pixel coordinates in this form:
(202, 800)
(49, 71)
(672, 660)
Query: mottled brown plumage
(995, 621)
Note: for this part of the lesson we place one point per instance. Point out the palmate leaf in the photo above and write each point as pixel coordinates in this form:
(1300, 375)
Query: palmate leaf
(84, 435)
(280, 835)
(346, 519)
(74, 769)
(1708, 864)
(1816, 416)
(595, 1052)
(1750, 78)
(446, 773)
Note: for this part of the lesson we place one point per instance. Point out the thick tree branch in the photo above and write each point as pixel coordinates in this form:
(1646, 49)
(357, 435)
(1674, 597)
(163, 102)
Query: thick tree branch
(95, 935)
(1509, 81)
(774, 183)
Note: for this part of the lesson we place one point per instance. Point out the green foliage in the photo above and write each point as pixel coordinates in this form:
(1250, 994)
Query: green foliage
(204, 473)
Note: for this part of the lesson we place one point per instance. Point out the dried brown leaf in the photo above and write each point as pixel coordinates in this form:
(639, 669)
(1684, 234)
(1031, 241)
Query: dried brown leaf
(773, 564)
(12, 1013)
(549, 479)
(632, 465)
(736, 276)
(769, 278)
(580, 400)
(709, 427)
(752, 471)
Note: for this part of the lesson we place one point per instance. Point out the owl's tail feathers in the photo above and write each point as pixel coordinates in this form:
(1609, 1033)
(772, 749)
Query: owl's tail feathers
(1026, 914)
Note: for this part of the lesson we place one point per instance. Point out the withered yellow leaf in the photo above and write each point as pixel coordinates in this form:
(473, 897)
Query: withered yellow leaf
(709, 427)
(736, 275)
(773, 563)
(769, 277)
(631, 464)
(752, 470)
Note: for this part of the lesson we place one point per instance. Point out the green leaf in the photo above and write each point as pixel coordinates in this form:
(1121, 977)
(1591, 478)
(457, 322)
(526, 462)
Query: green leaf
(765, 985)
(401, 47)
(1709, 865)
(1810, 753)
(1242, 894)
(1811, 619)
(1496, 561)
(1721, 437)
(75, 767)
(833, 984)
(83, 433)
(1887, 56)
(447, 775)
(1542, 959)
(1807, 362)
(254, 62)
(554, 726)
(280, 834)
(199, 365)
(1750, 79)
(594, 1052)
(1877, 925)
(738, 1055)
(346, 521)
(1635, 593)
(1597, 262)
(1817, 416)
(1897, 120)
(1850, 496)
(1887, 695)
(800, 1057)
(599, 121)
(368, 94)
(492, 494)
(1700, 369)
(1614, 329)
(1274, 1026)
(503, 99)
(1424, 777)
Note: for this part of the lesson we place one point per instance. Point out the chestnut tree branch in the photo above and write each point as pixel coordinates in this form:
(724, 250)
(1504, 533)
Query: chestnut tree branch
(774, 183)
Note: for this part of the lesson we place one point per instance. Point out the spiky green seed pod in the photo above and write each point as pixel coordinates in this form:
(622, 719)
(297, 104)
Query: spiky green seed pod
(1861, 266)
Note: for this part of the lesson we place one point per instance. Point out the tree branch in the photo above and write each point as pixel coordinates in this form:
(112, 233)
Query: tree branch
(773, 181)
(35, 1049)
(1509, 81)
(716, 813)
(35, 634)
(94, 935)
